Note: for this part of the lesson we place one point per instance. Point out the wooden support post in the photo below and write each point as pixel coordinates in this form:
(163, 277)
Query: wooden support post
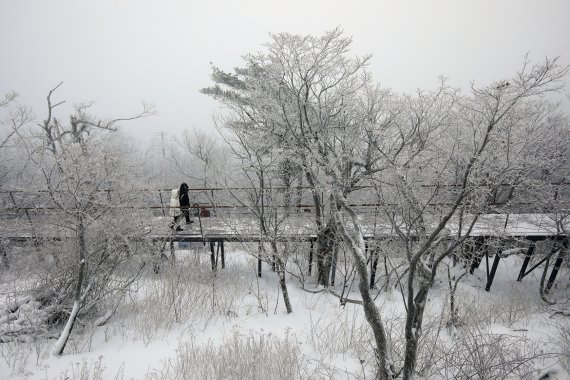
(223, 254)
(527, 258)
(374, 265)
(334, 261)
(557, 266)
(493, 270)
(260, 250)
(172, 250)
(212, 256)
(200, 222)
(311, 250)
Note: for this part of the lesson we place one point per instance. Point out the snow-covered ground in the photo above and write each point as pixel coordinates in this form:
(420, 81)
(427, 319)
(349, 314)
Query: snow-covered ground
(186, 323)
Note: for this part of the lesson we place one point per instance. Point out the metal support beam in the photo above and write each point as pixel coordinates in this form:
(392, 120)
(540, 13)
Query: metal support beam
(552, 252)
(491, 275)
(527, 258)
(217, 252)
(557, 265)
(212, 256)
(260, 250)
(221, 242)
(487, 263)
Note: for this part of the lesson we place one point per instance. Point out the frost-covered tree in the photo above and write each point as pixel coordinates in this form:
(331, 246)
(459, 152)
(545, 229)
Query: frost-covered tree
(254, 179)
(89, 200)
(307, 98)
(467, 149)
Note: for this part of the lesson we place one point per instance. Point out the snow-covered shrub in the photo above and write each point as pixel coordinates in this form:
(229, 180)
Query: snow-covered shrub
(341, 332)
(251, 356)
(16, 355)
(86, 370)
(563, 343)
(184, 292)
(38, 298)
(482, 355)
(515, 307)
(298, 263)
(474, 309)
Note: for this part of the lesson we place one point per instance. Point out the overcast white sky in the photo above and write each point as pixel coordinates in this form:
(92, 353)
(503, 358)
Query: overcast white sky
(121, 52)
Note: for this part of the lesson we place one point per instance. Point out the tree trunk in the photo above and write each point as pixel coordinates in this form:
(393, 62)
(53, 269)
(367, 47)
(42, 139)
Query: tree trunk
(414, 320)
(357, 249)
(385, 371)
(283, 284)
(317, 201)
(325, 249)
(543, 278)
(325, 236)
(280, 267)
(4, 254)
(59, 345)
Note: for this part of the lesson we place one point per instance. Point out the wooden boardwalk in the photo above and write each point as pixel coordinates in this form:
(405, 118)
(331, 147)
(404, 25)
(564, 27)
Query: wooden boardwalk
(216, 231)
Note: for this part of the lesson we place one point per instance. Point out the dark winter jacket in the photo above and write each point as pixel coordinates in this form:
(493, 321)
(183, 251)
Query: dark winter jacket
(183, 197)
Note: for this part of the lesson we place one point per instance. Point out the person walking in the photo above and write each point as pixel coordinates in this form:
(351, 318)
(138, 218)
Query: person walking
(184, 201)
(174, 209)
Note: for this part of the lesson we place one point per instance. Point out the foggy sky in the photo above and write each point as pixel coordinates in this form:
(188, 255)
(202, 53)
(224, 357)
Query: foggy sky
(121, 52)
